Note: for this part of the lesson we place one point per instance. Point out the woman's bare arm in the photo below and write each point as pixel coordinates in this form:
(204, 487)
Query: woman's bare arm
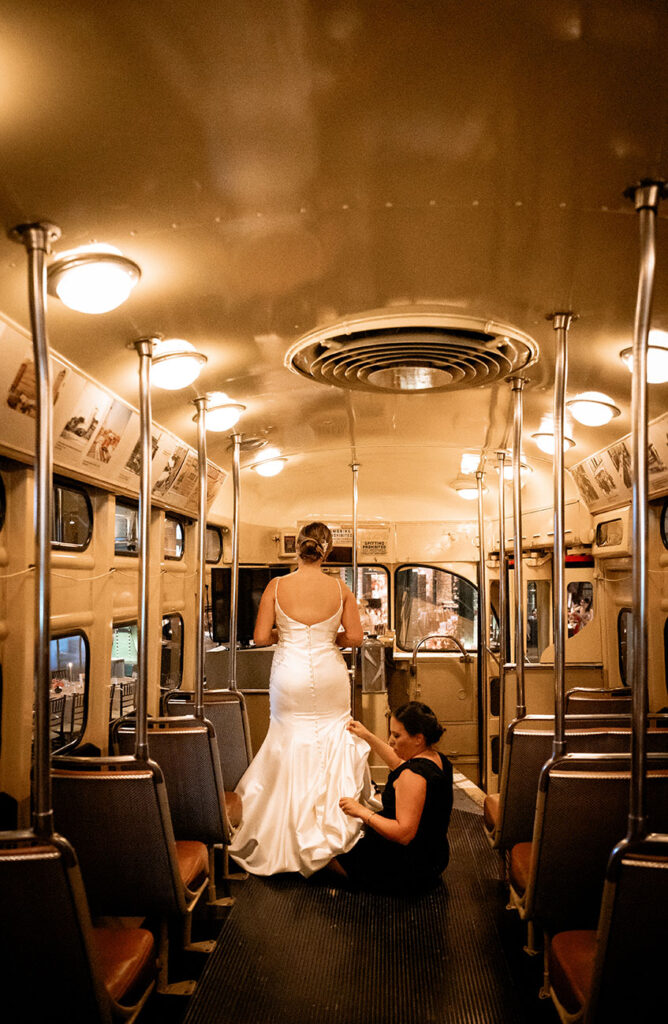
(352, 634)
(381, 747)
(410, 790)
(264, 633)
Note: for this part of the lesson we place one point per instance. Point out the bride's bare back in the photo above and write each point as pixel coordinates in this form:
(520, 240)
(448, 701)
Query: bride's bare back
(309, 596)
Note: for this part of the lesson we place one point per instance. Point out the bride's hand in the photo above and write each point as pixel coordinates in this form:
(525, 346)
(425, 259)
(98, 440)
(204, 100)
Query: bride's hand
(351, 807)
(357, 729)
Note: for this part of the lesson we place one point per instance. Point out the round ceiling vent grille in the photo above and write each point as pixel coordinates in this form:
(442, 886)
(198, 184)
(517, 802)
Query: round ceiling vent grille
(411, 352)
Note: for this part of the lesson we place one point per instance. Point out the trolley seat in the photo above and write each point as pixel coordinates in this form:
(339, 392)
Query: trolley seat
(617, 971)
(87, 973)
(187, 752)
(581, 813)
(226, 710)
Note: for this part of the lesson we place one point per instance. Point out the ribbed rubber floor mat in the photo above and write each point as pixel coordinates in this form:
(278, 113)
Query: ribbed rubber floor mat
(302, 952)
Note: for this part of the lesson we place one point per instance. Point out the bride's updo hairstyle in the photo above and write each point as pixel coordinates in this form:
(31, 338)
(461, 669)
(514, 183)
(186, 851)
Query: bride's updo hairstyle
(314, 542)
(418, 718)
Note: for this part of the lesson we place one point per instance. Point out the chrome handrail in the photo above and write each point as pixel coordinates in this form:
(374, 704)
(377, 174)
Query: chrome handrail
(465, 658)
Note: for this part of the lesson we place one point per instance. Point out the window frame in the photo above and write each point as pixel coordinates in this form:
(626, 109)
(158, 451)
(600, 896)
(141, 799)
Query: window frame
(170, 615)
(173, 517)
(64, 484)
(75, 740)
(623, 665)
(134, 505)
(424, 565)
(219, 533)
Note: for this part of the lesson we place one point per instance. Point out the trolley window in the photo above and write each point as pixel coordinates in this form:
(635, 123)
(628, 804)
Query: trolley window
(171, 653)
(213, 541)
(432, 600)
(126, 528)
(71, 518)
(539, 614)
(68, 697)
(625, 644)
(174, 538)
(373, 588)
(123, 682)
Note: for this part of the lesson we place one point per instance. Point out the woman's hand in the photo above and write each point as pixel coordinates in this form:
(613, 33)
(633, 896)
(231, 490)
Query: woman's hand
(357, 729)
(353, 808)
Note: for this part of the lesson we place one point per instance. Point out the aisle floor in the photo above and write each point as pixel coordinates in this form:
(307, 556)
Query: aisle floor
(296, 951)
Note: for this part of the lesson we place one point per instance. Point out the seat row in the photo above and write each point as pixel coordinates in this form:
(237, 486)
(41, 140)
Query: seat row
(556, 821)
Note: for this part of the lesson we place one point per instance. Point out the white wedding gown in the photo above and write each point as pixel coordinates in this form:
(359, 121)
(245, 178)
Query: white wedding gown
(291, 791)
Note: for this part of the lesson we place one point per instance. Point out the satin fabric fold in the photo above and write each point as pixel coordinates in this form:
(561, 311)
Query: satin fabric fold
(308, 761)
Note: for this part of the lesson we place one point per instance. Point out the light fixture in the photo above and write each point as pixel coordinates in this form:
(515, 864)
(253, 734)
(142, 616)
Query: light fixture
(657, 357)
(272, 463)
(466, 487)
(221, 412)
(525, 469)
(545, 442)
(175, 363)
(469, 462)
(592, 408)
(93, 278)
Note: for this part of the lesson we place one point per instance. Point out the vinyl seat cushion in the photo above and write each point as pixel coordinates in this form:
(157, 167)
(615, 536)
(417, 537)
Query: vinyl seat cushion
(571, 960)
(520, 861)
(193, 861)
(127, 960)
(490, 811)
(233, 807)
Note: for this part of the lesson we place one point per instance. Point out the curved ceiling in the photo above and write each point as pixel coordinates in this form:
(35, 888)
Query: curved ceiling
(278, 167)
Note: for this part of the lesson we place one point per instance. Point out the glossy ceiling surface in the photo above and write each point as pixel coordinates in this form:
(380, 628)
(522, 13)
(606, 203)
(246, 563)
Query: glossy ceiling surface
(275, 167)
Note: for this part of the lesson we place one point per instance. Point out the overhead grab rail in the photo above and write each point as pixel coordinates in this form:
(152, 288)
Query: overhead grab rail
(465, 656)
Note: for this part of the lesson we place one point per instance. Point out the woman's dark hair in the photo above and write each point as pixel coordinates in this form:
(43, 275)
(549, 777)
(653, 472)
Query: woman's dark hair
(419, 718)
(314, 541)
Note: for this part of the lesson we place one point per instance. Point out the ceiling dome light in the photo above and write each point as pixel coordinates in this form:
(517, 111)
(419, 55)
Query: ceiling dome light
(525, 469)
(592, 408)
(466, 488)
(92, 279)
(221, 413)
(272, 463)
(545, 442)
(657, 357)
(176, 364)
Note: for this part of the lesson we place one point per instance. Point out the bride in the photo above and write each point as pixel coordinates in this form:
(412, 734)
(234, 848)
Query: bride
(291, 791)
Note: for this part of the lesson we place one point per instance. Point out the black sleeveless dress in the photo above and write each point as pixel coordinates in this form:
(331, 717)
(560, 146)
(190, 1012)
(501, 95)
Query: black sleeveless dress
(381, 865)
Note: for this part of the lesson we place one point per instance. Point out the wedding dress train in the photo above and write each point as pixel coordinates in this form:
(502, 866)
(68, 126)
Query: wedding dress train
(291, 791)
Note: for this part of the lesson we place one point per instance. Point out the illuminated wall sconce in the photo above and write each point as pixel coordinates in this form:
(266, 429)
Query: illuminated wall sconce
(545, 442)
(221, 412)
(466, 487)
(271, 464)
(93, 278)
(657, 357)
(175, 363)
(592, 408)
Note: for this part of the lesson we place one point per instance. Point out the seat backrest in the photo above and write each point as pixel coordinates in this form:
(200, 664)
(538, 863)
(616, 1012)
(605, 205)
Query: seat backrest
(226, 710)
(581, 815)
(46, 947)
(528, 748)
(629, 971)
(187, 753)
(115, 811)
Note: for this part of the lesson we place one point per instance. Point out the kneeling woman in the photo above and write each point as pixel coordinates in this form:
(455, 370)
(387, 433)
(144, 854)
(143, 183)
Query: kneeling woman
(405, 845)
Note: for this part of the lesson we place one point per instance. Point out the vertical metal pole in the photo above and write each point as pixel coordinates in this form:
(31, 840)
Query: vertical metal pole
(201, 404)
(646, 196)
(144, 349)
(353, 651)
(37, 239)
(482, 626)
(518, 385)
(560, 322)
(234, 591)
(503, 604)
